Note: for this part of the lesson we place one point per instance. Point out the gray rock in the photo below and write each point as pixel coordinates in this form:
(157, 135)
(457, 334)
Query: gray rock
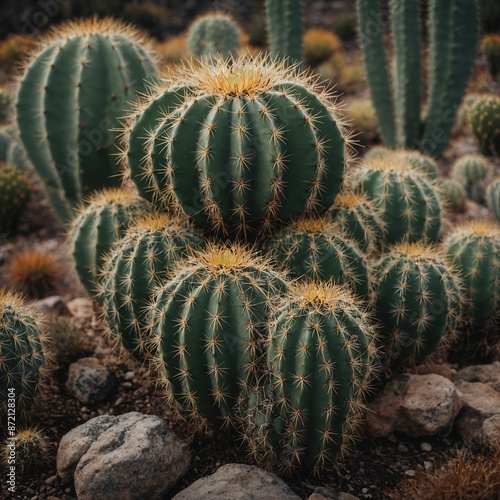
(490, 432)
(322, 492)
(487, 374)
(238, 482)
(90, 381)
(81, 307)
(51, 305)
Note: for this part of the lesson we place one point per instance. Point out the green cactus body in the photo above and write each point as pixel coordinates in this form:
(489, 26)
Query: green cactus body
(491, 49)
(100, 224)
(454, 194)
(208, 320)
(409, 204)
(32, 451)
(284, 28)
(485, 123)
(5, 144)
(214, 34)
(14, 195)
(321, 356)
(6, 105)
(315, 249)
(245, 147)
(23, 354)
(139, 263)
(493, 198)
(471, 170)
(474, 250)
(423, 163)
(418, 302)
(69, 102)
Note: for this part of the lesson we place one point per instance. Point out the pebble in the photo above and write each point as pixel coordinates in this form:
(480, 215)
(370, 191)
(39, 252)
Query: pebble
(51, 480)
(402, 448)
(428, 466)
(129, 376)
(127, 385)
(364, 490)
(119, 401)
(410, 473)
(425, 447)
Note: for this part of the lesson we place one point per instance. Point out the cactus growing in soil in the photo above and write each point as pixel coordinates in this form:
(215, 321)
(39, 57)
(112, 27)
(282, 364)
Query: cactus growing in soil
(214, 34)
(314, 249)
(208, 321)
(24, 355)
(491, 49)
(6, 105)
(484, 119)
(493, 198)
(31, 452)
(454, 194)
(139, 263)
(101, 222)
(70, 98)
(408, 201)
(238, 147)
(418, 301)
(14, 195)
(474, 249)
(471, 170)
(321, 356)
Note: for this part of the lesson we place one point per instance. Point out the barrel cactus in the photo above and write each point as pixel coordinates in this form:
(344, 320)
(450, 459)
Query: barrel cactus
(214, 34)
(135, 267)
(321, 357)
(82, 80)
(471, 170)
(101, 222)
(408, 201)
(454, 194)
(237, 147)
(485, 123)
(493, 198)
(14, 196)
(491, 49)
(208, 322)
(418, 302)
(32, 450)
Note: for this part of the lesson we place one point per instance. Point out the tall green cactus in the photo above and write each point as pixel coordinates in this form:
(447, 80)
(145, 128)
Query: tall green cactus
(493, 198)
(453, 35)
(284, 28)
(14, 195)
(70, 100)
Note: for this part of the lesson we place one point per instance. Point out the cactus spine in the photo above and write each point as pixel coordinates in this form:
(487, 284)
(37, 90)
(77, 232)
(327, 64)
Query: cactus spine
(493, 198)
(69, 101)
(485, 123)
(14, 196)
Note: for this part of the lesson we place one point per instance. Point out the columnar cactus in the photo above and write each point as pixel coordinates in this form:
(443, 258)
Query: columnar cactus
(139, 263)
(237, 146)
(474, 250)
(417, 300)
(100, 223)
(485, 123)
(6, 105)
(491, 49)
(493, 197)
(321, 357)
(214, 34)
(471, 170)
(208, 322)
(314, 248)
(453, 35)
(70, 98)
(409, 203)
(454, 194)
(14, 195)
(24, 355)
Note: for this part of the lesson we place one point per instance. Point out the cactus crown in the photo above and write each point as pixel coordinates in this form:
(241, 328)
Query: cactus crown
(307, 293)
(349, 199)
(102, 198)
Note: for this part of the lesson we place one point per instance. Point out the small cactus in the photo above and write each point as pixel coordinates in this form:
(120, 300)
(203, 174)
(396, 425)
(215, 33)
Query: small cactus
(485, 123)
(491, 49)
(454, 194)
(321, 45)
(471, 170)
(6, 105)
(14, 195)
(214, 34)
(493, 198)
(31, 451)
(101, 222)
(423, 163)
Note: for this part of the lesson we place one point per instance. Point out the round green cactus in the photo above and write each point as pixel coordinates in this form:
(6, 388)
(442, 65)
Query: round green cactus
(423, 163)
(321, 357)
(377, 152)
(454, 194)
(214, 34)
(238, 147)
(493, 198)
(69, 102)
(24, 355)
(14, 195)
(418, 301)
(471, 170)
(474, 250)
(6, 105)
(139, 263)
(409, 203)
(485, 123)
(491, 49)
(314, 248)
(208, 322)
(100, 223)
(32, 451)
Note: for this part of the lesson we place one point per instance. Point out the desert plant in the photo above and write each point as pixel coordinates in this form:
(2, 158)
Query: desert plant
(214, 34)
(14, 196)
(254, 144)
(453, 36)
(491, 49)
(471, 170)
(173, 50)
(454, 194)
(100, 223)
(344, 26)
(361, 115)
(423, 163)
(31, 450)
(485, 123)
(493, 197)
(14, 49)
(83, 78)
(417, 301)
(464, 112)
(352, 78)
(321, 45)
(377, 152)
(66, 339)
(139, 263)
(6, 102)
(321, 357)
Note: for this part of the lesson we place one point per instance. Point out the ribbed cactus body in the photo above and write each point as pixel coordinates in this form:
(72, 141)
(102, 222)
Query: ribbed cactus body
(315, 249)
(213, 34)
(321, 356)
(484, 119)
(101, 223)
(474, 250)
(6, 105)
(139, 263)
(23, 354)
(423, 163)
(240, 148)
(69, 101)
(471, 170)
(493, 198)
(417, 301)
(408, 202)
(491, 49)
(14, 195)
(454, 194)
(208, 320)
